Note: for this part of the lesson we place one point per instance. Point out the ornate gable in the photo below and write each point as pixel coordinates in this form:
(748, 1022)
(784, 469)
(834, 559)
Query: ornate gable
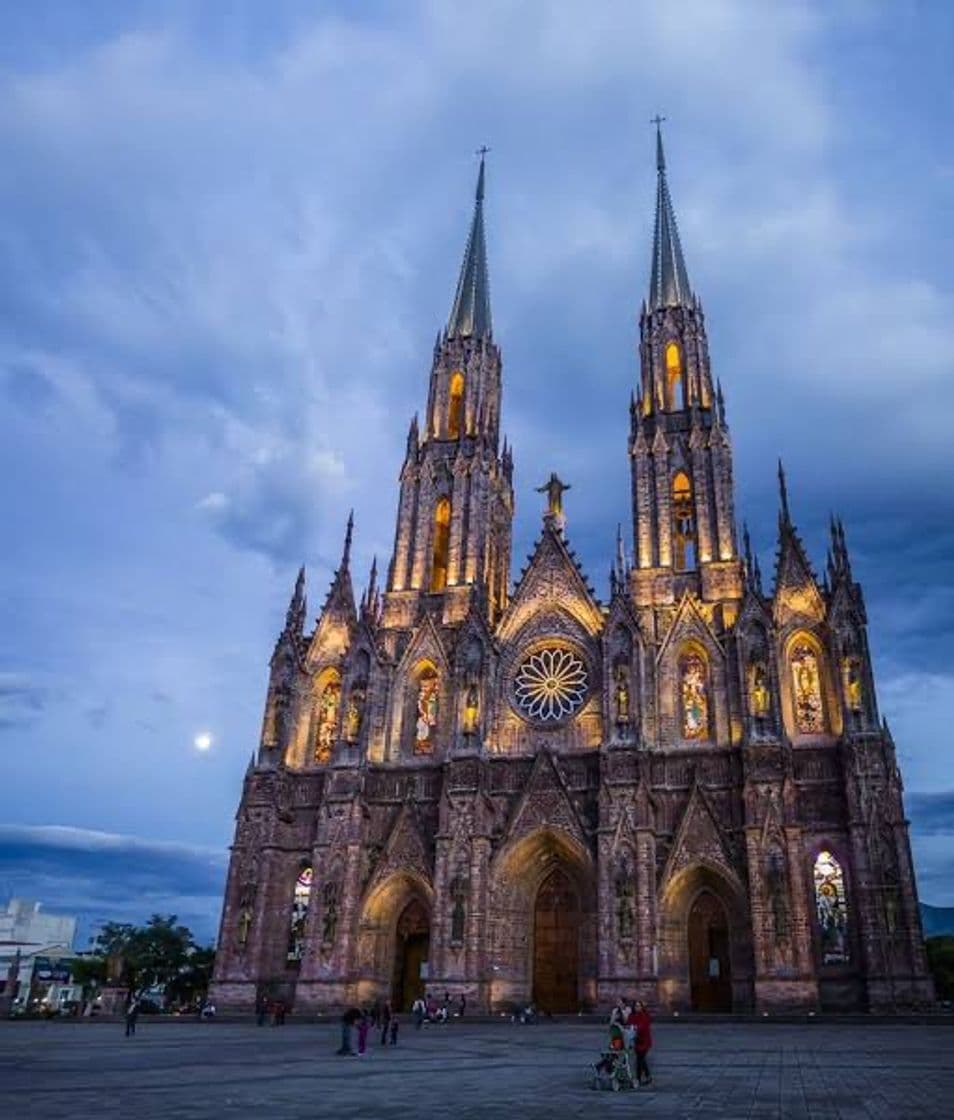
(699, 839)
(689, 622)
(545, 803)
(426, 644)
(406, 849)
(552, 578)
(797, 596)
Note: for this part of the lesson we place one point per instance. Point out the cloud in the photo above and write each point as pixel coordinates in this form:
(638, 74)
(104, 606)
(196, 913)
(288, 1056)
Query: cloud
(101, 876)
(22, 699)
(932, 814)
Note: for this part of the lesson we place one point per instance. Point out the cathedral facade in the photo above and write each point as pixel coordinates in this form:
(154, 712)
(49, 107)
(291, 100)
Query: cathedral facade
(519, 792)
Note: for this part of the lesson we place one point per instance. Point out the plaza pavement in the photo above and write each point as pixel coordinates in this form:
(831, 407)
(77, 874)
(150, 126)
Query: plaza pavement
(185, 1070)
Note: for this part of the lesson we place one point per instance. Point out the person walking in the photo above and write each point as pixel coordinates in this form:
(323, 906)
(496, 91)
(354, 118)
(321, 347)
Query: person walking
(385, 1021)
(261, 1010)
(644, 1041)
(364, 1025)
(132, 1014)
(418, 1010)
(394, 1030)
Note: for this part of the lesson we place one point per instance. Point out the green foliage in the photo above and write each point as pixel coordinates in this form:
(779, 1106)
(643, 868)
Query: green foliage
(940, 953)
(162, 953)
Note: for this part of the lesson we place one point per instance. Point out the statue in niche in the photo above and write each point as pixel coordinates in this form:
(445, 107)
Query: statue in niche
(354, 715)
(853, 690)
(760, 698)
(625, 906)
(329, 921)
(622, 695)
(458, 892)
(777, 893)
(244, 925)
(471, 708)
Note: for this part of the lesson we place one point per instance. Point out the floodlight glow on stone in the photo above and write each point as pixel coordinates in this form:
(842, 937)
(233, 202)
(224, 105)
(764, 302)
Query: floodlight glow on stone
(202, 741)
(551, 684)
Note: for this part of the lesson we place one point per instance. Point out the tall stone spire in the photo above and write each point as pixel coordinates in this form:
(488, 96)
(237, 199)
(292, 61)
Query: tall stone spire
(470, 314)
(668, 281)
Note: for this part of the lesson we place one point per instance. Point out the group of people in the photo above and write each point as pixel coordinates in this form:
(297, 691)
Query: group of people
(633, 1018)
(273, 1009)
(427, 1009)
(379, 1017)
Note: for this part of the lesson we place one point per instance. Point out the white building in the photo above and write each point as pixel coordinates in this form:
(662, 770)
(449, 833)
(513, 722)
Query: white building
(34, 943)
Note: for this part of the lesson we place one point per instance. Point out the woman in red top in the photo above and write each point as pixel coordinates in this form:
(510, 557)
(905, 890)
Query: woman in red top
(644, 1040)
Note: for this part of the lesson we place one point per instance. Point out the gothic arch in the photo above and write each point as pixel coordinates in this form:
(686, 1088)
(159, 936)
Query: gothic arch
(381, 911)
(676, 903)
(325, 688)
(809, 706)
(517, 873)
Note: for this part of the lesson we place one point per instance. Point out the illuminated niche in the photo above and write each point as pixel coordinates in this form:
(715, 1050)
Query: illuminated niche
(455, 405)
(442, 520)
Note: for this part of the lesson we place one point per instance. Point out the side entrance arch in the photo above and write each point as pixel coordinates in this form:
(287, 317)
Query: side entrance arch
(705, 942)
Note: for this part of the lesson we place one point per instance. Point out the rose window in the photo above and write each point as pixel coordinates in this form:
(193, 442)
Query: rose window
(550, 684)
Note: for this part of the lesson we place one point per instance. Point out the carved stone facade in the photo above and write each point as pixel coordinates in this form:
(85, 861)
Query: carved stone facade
(684, 794)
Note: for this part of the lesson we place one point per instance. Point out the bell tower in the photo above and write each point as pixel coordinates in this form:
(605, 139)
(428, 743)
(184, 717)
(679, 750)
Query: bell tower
(680, 453)
(453, 535)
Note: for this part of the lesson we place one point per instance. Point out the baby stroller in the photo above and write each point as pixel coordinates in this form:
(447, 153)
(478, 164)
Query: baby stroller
(613, 1069)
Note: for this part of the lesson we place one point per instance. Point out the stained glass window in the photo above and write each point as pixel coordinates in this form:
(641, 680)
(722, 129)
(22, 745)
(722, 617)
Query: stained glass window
(428, 688)
(299, 914)
(806, 690)
(831, 909)
(694, 696)
(550, 684)
(327, 720)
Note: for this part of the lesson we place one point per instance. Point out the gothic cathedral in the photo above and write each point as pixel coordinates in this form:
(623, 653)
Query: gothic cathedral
(683, 794)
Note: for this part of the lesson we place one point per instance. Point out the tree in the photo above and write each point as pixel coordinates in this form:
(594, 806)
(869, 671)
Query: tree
(940, 952)
(160, 954)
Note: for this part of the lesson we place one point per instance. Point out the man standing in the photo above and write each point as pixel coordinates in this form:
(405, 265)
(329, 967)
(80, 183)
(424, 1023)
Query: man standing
(348, 1020)
(132, 1014)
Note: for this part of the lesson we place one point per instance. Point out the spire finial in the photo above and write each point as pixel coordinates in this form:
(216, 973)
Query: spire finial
(783, 493)
(660, 156)
(349, 531)
(470, 313)
(669, 281)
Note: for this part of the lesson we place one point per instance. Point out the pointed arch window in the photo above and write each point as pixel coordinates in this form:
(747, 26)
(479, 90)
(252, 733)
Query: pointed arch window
(684, 524)
(326, 718)
(807, 701)
(831, 908)
(694, 695)
(455, 405)
(442, 520)
(675, 384)
(301, 900)
(426, 710)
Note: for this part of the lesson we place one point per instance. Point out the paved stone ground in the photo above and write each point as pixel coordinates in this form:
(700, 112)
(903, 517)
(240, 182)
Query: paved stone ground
(186, 1070)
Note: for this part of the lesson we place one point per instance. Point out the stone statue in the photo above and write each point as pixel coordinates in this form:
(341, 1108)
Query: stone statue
(471, 708)
(622, 696)
(554, 488)
(625, 917)
(353, 716)
(329, 922)
(760, 692)
(775, 882)
(244, 924)
(458, 914)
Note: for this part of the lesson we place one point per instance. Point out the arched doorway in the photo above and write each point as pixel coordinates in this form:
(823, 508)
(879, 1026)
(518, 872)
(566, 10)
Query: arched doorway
(710, 967)
(411, 948)
(556, 944)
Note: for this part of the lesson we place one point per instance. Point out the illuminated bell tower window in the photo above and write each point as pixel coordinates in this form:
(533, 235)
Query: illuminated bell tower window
(442, 518)
(675, 389)
(684, 529)
(455, 405)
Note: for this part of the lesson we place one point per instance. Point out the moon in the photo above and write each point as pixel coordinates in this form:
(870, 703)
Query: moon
(202, 741)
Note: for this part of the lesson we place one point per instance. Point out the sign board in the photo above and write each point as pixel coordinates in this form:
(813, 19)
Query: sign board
(49, 971)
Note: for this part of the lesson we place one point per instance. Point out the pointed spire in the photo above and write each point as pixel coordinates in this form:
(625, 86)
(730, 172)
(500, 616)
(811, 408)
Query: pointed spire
(784, 517)
(747, 549)
(346, 553)
(470, 313)
(669, 281)
(297, 607)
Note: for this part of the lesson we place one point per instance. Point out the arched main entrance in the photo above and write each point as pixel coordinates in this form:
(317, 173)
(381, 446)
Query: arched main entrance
(556, 944)
(412, 942)
(710, 966)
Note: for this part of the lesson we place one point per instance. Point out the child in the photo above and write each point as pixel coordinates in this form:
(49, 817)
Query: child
(364, 1025)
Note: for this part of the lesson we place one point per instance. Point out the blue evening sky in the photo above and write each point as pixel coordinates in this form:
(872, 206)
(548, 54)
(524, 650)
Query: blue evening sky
(228, 235)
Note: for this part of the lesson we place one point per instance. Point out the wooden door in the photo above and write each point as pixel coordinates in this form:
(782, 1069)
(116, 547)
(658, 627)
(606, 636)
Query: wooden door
(556, 945)
(411, 950)
(710, 968)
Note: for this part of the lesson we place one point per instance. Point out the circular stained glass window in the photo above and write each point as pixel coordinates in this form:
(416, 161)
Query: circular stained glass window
(550, 684)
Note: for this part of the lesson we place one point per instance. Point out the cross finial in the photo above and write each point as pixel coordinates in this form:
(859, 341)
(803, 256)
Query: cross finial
(657, 120)
(482, 151)
(660, 158)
